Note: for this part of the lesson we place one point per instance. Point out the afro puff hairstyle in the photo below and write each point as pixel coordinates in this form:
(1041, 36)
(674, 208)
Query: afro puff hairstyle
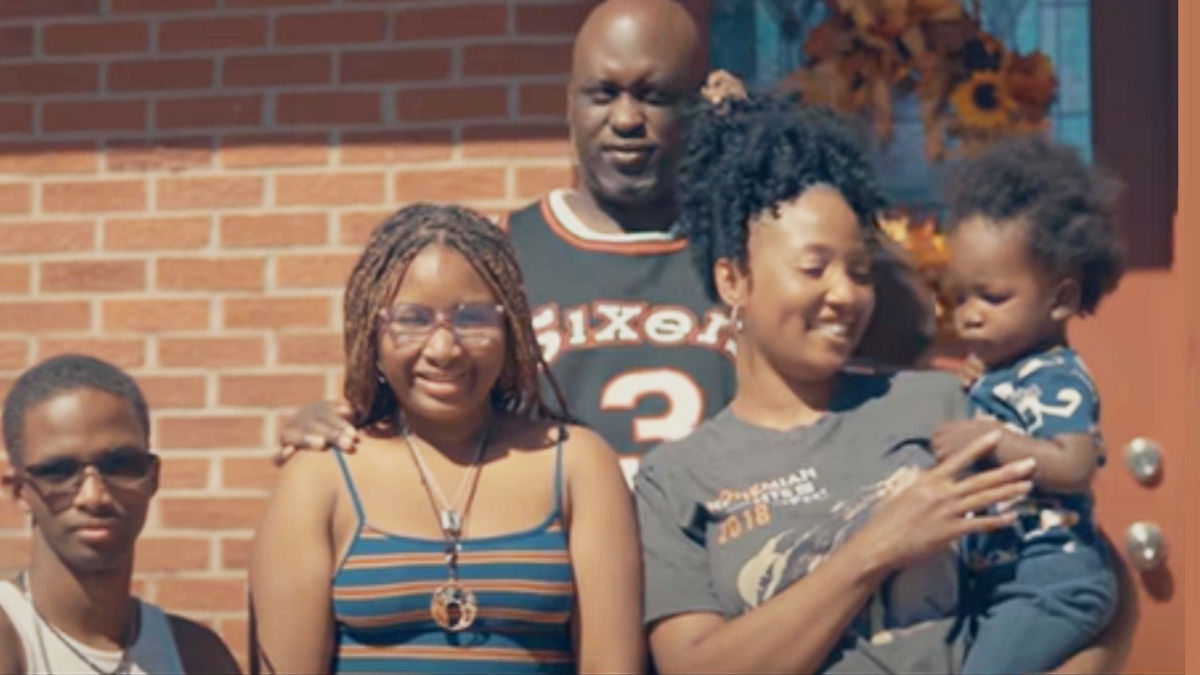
(1067, 206)
(746, 155)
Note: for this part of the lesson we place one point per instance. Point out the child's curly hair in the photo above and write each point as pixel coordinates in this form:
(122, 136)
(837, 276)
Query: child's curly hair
(746, 155)
(1067, 205)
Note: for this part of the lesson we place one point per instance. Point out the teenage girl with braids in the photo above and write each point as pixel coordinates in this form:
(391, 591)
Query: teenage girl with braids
(805, 527)
(474, 530)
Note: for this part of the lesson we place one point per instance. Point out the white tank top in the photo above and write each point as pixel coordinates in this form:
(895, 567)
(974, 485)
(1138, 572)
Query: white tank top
(48, 650)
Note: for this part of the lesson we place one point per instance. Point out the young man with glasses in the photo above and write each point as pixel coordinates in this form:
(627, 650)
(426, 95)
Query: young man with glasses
(77, 434)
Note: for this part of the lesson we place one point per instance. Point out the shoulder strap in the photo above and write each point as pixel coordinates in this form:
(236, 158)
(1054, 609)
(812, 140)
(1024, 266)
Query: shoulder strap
(358, 509)
(16, 607)
(155, 650)
(558, 479)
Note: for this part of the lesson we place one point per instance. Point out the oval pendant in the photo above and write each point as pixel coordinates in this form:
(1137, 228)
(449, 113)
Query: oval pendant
(453, 607)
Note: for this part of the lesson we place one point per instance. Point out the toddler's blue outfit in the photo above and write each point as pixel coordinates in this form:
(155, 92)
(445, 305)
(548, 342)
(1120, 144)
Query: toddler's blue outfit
(1045, 588)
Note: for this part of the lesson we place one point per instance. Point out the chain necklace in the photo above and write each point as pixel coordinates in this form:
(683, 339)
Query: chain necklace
(133, 626)
(453, 606)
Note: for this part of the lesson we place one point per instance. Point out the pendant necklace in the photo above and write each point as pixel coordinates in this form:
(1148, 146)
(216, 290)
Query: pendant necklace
(124, 665)
(453, 605)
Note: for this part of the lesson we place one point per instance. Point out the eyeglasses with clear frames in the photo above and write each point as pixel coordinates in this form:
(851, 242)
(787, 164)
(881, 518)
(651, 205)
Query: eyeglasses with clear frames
(471, 322)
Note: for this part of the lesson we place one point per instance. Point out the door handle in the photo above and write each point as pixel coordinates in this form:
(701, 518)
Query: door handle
(1144, 458)
(1145, 545)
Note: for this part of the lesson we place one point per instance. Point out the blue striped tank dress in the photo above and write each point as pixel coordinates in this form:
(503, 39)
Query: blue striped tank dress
(523, 582)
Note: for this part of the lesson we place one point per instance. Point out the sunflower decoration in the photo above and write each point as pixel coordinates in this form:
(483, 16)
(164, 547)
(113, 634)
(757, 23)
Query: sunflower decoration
(972, 90)
(927, 248)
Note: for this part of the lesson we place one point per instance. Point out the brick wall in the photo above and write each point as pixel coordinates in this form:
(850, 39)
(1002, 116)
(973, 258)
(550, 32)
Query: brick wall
(184, 185)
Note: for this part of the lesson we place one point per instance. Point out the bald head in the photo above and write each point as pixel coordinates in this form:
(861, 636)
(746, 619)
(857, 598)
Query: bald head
(634, 64)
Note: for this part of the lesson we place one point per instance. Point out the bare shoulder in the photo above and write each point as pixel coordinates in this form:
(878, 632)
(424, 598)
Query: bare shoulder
(200, 649)
(12, 652)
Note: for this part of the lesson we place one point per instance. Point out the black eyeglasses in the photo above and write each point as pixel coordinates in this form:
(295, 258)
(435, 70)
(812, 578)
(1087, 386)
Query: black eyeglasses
(122, 468)
(471, 322)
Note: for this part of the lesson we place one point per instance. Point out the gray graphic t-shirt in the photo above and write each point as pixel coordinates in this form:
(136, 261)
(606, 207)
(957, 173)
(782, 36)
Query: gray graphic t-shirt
(733, 513)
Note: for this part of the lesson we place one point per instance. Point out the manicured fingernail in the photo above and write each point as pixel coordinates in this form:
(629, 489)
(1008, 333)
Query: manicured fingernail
(1027, 464)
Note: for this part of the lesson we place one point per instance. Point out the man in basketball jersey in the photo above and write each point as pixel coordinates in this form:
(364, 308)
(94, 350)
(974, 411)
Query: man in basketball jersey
(620, 312)
(77, 434)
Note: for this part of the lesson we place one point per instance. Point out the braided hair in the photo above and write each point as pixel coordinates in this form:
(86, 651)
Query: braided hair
(1067, 206)
(376, 278)
(745, 155)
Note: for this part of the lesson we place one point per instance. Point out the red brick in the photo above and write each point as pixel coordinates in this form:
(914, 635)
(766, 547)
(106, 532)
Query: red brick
(154, 315)
(40, 158)
(33, 317)
(338, 107)
(25, 9)
(157, 74)
(14, 550)
(320, 188)
(535, 181)
(48, 78)
(174, 391)
(14, 277)
(213, 33)
(160, 155)
(314, 270)
(93, 275)
(450, 22)
(277, 69)
(516, 140)
(424, 105)
(212, 191)
(123, 6)
(395, 66)
(449, 184)
(94, 196)
(274, 229)
(122, 352)
(93, 115)
(248, 473)
(171, 554)
(330, 28)
(210, 274)
(557, 19)
(184, 473)
(263, 150)
(276, 313)
(269, 391)
(139, 234)
(516, 59)
(185, 594)
(112, 37)
(211, 352)
(208, 111)
(47, 237)
(16, 40)
(209, 432)
(312, 349)
(14, 354)
(237, 4)
(16, 118)
(391, 147)
(206, 513)
(235, 552)
(356, 228)
(15, 198)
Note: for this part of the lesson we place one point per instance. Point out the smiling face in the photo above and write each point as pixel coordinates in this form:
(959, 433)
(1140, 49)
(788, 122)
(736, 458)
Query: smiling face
(806, 294)
(442, 377)
(94, 528)
(632, 68)
(1005, 304)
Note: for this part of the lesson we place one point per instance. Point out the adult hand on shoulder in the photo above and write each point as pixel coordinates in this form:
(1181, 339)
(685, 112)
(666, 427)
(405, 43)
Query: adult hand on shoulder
(952, 437)
(937, 508)
(317, 426)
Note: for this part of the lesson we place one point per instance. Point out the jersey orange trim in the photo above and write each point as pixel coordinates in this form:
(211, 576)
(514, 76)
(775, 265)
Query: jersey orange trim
(623, 247)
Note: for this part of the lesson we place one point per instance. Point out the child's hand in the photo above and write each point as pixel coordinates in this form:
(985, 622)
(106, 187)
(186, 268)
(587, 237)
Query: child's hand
(952, 437)
(971, 370)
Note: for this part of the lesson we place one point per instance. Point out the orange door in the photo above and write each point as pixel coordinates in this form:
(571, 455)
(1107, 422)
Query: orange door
(1140, 346)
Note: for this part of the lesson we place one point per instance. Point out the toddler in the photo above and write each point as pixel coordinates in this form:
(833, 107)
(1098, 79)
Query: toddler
(1032, 244)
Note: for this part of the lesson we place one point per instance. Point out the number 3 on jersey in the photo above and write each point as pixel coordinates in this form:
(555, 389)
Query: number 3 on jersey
(685, 404)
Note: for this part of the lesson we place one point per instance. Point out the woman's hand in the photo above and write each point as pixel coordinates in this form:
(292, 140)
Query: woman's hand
(938, 508)
(317, 426)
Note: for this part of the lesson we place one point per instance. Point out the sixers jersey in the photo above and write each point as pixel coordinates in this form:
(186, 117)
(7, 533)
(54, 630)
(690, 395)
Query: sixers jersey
(640, 351)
